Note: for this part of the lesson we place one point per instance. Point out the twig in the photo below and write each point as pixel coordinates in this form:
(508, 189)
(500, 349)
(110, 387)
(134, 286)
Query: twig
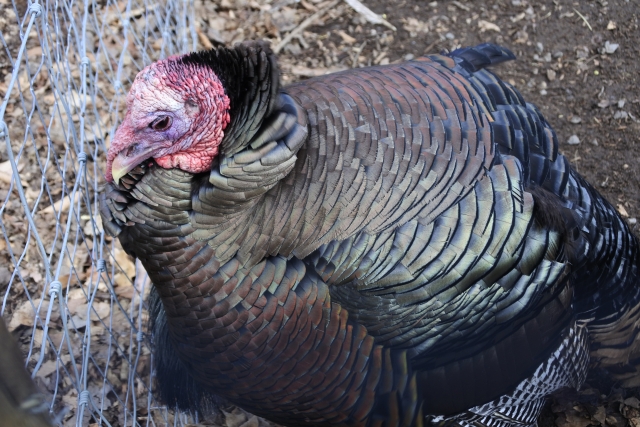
(583, 18)
(431, 46)
(461, 6)
(368, 14)
(204, 40)
(356, 54)
(299, 70)
(304, 24)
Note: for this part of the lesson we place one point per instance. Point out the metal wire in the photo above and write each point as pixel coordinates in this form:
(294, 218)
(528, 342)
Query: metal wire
(65, 285)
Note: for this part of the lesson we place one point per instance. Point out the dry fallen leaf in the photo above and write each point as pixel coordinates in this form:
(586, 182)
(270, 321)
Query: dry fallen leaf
(22, 316)
(101, 310)
(123, 285)
(632, 401)
(25, 315)
(240, 418)
(610, 47)
(487, 26)
(600, 415)
(78, 310)
(572, 419)
(346, 37)
(89, 227)
(6, 171)
(47, 368)
(251, 422)
(124, 261)
(623, 212)
(60, 206)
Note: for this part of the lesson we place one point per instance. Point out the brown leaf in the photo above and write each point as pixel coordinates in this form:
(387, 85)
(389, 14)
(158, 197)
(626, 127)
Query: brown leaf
(6, 171)
(487, 26)
(631, 401)
(611, 420)
(600, 415)
(346, 37)
(77, 306)
(25, 315)
(60, 206)
(571, 418)
(624, 214)
(47, 368)
(123, 286)
(236, 418)
(124, 261)
(253, 421)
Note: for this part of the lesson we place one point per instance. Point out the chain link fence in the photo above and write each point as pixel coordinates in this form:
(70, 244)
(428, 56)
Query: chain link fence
(65, 287)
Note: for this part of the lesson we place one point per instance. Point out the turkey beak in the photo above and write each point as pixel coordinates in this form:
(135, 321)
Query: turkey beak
(128, 159)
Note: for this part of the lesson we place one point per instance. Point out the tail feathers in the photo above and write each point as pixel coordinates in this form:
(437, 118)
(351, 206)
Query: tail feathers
(481, 56)
(566, 367)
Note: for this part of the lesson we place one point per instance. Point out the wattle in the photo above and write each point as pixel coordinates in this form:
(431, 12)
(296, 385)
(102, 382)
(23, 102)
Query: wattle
(188, 162)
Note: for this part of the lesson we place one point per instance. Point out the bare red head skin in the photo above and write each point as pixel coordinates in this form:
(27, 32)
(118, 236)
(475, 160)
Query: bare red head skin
(176, 114)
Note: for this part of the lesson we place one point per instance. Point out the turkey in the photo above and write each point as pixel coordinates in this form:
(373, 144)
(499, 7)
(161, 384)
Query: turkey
(386, 246)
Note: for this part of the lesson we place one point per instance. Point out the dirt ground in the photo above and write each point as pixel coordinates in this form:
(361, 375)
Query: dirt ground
(577, 61)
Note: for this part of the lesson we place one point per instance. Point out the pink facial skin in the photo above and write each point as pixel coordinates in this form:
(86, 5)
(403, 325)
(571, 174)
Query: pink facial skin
(176, 114)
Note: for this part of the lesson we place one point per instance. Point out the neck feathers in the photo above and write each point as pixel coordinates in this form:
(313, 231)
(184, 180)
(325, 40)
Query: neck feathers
(250, 76)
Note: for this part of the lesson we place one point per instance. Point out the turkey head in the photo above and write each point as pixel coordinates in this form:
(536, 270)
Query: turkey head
(180, 110)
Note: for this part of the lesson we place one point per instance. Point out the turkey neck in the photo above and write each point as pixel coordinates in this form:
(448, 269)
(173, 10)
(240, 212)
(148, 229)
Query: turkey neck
(250, 76)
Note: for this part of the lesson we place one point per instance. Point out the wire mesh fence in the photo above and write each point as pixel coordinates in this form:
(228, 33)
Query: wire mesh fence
(66, 292)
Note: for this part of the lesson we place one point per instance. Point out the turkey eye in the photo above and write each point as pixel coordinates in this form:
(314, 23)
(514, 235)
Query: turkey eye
(161, 123)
